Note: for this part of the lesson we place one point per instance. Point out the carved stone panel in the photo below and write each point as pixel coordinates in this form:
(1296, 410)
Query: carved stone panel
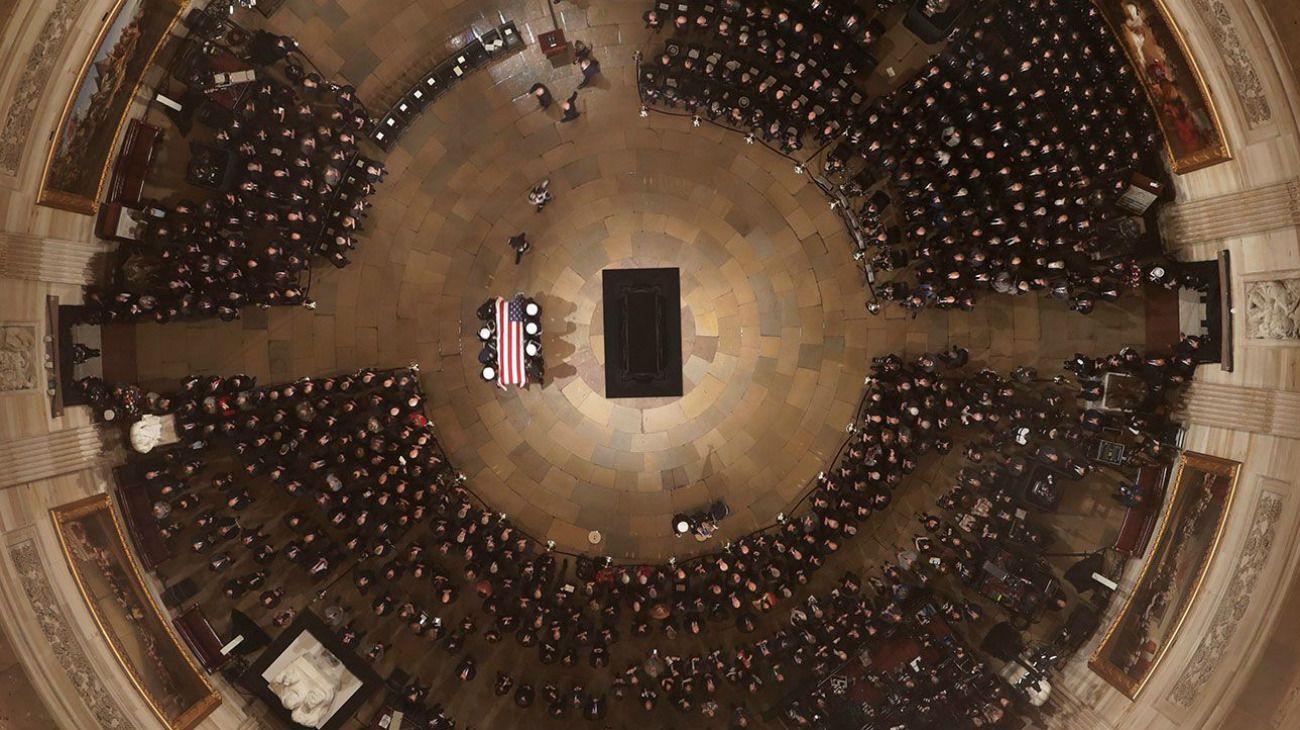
(26, 96)
(19, 365)
(58, 632)
(1236, 61)
(1273, 309)
(1236, 599)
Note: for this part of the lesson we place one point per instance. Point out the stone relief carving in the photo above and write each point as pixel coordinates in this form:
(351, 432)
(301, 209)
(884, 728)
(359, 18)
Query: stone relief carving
(1236, 61)
(18, 361)
(1236, 599)
(36, 75)
(55, 628)
(1273, 309)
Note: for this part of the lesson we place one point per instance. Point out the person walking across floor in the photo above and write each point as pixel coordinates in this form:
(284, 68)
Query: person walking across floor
(570, 108)
(520, 245)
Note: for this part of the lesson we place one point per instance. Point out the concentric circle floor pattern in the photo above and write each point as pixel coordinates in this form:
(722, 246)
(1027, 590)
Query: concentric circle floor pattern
(773, 346)
(776, 341)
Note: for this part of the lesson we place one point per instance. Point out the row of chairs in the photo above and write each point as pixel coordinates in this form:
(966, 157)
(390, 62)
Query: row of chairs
(845, 88)
(350, 191)
(495, 43)
(720, 53)
(845, 20)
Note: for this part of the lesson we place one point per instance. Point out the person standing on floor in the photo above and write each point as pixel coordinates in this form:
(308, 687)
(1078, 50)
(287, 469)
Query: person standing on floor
(540, 194)
(581, 51)
(590, 68)
(570, 108)
(542, 94)
(520, 245)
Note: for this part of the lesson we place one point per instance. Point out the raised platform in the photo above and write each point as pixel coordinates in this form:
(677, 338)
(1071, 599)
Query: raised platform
(643, 332)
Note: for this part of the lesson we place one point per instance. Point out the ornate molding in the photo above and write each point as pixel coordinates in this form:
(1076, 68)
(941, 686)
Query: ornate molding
(1236, 600)
(19, 359)
(1259, 210)
(57, 630)
(35, 77)
(1236, 61)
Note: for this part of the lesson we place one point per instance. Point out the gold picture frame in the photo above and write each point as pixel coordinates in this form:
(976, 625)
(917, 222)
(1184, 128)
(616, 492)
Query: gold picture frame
(73, 178)
(135, 629)
(1172, 81)
(1196, 512)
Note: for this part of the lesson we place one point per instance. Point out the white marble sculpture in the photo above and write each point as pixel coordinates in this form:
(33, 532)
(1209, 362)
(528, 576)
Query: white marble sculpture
(307, 687)
(152, 431)
(1273, 309)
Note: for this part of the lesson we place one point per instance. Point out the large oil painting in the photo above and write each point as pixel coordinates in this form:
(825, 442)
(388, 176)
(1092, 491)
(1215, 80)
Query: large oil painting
(1199, 502)
(127, 616)
(92, 118)
(1194, 136)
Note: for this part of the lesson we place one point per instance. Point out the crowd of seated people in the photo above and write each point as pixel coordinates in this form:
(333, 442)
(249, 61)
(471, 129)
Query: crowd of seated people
(341, 478)
(997, 168)
(355, 448)
(338, 473)
(996, 416)
(785, 73)
(922, 673)
(1006, 157)
(291, 185)
(1022, 432)
(1034, 444)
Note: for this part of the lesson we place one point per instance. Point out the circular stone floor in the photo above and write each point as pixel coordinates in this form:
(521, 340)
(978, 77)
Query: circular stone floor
(776, 339)
(773, 341)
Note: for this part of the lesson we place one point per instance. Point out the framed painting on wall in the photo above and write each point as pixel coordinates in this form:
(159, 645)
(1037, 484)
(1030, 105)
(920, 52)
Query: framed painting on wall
(1167, 72)
(1200, 499)
(92, 117)
(128, 618)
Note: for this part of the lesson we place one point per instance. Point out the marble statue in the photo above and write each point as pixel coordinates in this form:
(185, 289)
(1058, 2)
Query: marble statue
(152, 431)
(308, 685)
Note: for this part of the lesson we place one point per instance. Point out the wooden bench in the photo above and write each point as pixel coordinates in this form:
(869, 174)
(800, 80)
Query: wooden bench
(1140, 522)
(197, 631)
(136, 503)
